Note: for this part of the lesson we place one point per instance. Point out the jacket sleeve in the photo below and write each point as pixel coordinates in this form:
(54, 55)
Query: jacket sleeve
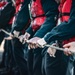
(22, 18)
(65, 30)
(50, 8)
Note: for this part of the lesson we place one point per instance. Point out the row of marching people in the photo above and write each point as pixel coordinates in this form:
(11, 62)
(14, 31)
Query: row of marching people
(38, 24)
(8, 15)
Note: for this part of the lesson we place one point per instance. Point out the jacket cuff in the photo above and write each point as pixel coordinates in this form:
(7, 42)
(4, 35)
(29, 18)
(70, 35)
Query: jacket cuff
(41, 42)
(46, 39)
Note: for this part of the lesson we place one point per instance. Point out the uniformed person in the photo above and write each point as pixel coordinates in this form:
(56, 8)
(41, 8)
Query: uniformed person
(1, 33)
(59, 65)
(8, 23)
(21, 21)
(45, 12)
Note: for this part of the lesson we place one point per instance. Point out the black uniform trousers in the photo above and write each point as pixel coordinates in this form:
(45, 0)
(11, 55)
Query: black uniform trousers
(71, 65)
(34, 61)
(2, 35)
(30, 62)
(55, 66)
(20, 57)
(37, 61)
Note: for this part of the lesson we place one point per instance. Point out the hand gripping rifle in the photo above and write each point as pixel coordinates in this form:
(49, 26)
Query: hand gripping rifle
(47, 45)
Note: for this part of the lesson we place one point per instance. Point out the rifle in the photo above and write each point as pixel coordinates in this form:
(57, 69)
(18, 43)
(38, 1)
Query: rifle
(47, 45)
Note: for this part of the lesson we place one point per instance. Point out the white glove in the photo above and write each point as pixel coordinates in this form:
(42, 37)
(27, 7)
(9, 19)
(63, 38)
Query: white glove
(41, 42)
(51, 51)
(24, 38)
(16, 33)
(69, 48)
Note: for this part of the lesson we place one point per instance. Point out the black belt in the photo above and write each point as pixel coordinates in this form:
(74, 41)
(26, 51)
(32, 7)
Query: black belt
(43, 15)
(64, 14)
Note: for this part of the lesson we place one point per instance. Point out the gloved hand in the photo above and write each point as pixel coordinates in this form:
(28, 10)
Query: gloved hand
(12, 35)
(33, 42)
(41, 42)
(24, 38)
(69, 48)
(16, 33)
(51, 51)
